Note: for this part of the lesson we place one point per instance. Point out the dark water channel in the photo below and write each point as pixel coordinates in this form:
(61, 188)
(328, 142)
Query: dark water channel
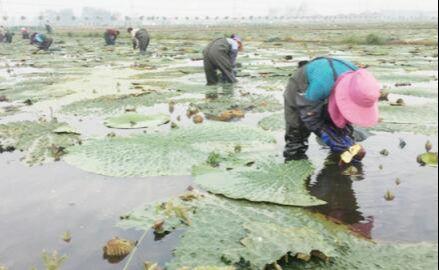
(38, 204)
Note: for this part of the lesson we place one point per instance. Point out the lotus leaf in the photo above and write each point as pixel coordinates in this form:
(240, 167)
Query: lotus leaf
(273, 122)
(171, 215)
(213, 108)
(266, 181)
(116, 104)
(429, 159)
(282, 240)
(415, 119)
(159, 154)
(134, 120)
(36, 139)
(220, 227)
(226, 232)
(368, 256)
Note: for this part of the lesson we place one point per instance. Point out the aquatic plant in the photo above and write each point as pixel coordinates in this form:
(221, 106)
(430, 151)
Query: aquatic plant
(227, 233)
(135, 120)
(116, 104)
(173, 153)
(273, 122)
(266, 181)
(40, 141)
(53, 261)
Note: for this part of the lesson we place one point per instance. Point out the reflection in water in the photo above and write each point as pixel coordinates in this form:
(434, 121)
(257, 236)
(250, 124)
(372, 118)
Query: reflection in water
(334, 186)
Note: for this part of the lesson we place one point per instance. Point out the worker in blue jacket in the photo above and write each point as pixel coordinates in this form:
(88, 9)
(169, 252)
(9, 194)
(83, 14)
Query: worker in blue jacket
(327, 97)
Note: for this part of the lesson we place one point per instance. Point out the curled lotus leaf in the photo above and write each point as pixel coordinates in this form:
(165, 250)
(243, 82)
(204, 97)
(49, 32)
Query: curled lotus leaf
(135, 120)
(165, 216)
(173, 153)
(428, 159)
(37, 139)
(117, 247)
(266, 181)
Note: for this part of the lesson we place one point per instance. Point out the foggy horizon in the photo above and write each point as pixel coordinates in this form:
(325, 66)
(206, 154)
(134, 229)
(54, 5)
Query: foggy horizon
(211, 8)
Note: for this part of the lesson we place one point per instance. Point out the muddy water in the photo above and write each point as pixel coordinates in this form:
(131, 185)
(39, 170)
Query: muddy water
(38, 204)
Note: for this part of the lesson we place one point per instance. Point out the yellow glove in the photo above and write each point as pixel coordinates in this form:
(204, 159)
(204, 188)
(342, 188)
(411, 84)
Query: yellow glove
(349, 155)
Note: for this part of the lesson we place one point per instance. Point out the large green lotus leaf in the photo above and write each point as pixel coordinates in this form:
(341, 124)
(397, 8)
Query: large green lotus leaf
(219, 226)
(266, 181)
(272, 242)
(159, 154)
(116, 104)
(38, 140)
(135, 120)
(273, 122)
(368, 256)
(414, 119)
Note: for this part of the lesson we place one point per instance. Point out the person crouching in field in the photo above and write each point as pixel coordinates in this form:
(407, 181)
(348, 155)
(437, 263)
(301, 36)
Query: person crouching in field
(221, 54)
(110, 36)
(140, 38)
(9, 36)
(25, 33)
(326, 97)
(42, 41)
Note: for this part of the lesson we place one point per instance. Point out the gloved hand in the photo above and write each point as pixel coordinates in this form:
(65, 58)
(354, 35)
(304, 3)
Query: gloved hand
(338, 140)
(355, 154)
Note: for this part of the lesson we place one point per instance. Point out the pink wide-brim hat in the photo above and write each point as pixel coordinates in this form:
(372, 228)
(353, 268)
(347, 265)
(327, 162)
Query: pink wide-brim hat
(354, 100)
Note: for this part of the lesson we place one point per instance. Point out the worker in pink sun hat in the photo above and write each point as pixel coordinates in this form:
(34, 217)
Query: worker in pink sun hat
(328, 97)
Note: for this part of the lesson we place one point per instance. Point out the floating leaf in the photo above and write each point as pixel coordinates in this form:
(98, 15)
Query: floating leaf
(66, 129)
(281, 240)
(37, 139)
(368, 256)
(116, 104)
(268, 181)
(134, 120)
(231, 107)
(273, 122)
(226, 232)
(428, 159)
(414, 119)
(160, 154)
(161, 216)
(218, 228)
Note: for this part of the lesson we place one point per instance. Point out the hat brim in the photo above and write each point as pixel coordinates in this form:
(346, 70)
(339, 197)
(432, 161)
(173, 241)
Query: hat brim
(358, 115)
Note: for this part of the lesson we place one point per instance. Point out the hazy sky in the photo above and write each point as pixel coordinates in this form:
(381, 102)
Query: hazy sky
(215, 7)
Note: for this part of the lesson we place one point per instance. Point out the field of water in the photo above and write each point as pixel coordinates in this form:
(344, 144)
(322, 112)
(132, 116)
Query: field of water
(98, 142)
